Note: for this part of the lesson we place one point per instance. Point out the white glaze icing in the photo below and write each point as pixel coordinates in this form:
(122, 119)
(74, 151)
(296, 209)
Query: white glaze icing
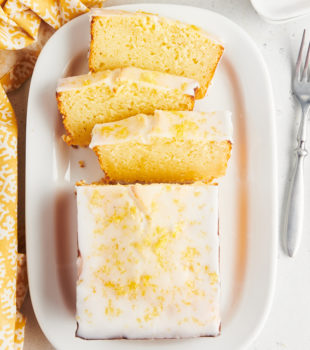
(209, 126)
(150, 261)
(131, 74)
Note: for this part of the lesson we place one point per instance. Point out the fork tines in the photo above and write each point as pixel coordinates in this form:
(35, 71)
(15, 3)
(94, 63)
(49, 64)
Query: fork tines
(298, 74)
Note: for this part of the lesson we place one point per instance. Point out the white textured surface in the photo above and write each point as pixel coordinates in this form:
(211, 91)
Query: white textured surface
(288, 324)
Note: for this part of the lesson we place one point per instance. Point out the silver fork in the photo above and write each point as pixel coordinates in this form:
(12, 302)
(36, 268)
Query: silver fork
(294, 215)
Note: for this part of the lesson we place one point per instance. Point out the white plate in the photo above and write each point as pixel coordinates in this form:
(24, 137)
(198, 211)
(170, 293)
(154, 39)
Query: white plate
(281, 10)
(248, 212)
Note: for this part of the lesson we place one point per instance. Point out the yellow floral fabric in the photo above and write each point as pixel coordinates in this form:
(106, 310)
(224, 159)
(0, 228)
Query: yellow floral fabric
(21, 290)
(12, 37)
(23, 17)
(8, 223)
(20, 19)
(13, 274)
(19, 332)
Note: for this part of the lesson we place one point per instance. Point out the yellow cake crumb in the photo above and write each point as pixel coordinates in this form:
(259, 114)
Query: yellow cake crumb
(162, 45)
(82, 163)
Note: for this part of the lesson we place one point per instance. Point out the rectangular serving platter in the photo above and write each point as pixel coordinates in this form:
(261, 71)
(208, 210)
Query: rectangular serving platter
(248, 209)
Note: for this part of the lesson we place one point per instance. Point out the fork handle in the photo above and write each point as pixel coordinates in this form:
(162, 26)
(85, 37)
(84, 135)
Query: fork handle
(295, 202)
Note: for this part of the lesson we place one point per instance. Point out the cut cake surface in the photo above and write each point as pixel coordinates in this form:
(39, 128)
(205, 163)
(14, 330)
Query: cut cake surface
(144, 40)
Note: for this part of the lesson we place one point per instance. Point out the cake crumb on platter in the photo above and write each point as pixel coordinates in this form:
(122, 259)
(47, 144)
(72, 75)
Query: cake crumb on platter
(82, 164)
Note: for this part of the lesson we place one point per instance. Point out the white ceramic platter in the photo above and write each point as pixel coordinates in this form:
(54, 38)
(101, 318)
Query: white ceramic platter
(278, 11)
(248, 212)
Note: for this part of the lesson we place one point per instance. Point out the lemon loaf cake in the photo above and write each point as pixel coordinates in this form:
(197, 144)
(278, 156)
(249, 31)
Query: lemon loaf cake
(144, 40)
(168, 146)
(107, 96)
(130, 285)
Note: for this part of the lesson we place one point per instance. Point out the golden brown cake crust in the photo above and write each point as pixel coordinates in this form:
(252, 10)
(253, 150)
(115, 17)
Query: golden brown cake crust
(68, 137)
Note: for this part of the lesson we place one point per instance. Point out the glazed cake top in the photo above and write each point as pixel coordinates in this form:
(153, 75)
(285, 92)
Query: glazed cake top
(131, 75)
(208, 126)
(149, 261)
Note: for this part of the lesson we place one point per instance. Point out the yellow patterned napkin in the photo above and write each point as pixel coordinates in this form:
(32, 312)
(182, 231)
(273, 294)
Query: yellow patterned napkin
(25, 25)
(11, 264)
(20, 19)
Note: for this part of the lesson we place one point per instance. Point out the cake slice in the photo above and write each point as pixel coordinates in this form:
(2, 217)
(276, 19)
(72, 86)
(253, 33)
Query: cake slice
(149, 261)
(168, 146)
(107, 96)
(144, 40)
